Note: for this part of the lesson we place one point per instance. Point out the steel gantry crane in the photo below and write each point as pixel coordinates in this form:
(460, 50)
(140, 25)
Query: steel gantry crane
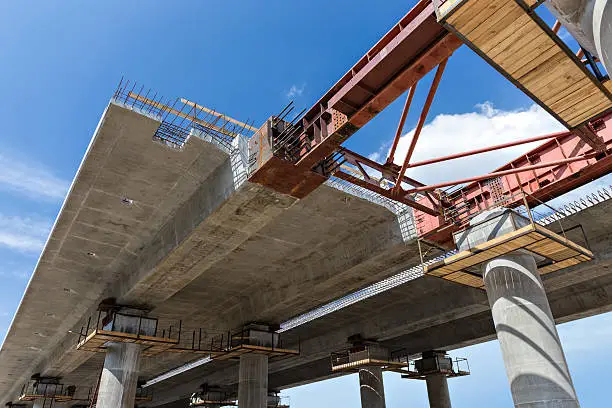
(296, 157)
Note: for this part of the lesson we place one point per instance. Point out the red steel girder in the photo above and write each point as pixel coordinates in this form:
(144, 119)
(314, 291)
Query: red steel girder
(412, 48)
(540, 181)
(500, 173)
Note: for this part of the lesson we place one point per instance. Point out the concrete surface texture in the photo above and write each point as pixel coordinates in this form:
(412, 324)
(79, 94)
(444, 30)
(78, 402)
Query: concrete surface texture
(531, 349)
(437, 391)
(424, 314)
(253, 381)
(589, 22)
(98, 238)
(195, 241)
(192, 244)
(371, 387)
(119, 376)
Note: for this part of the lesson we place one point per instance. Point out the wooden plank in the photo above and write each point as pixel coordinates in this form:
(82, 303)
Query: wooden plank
(559, 265)
(451, 5)
(474, 13)
(554, 72)
(574, 98)
(485, 32)
(563, 254)
(550, 96)
(521, 53)
(563, 240)
(594, 101)
(218, 114)
(605, 105)
(509, 36)
(579, 115)
(465, 279)
(532, 66)
(510, 44)
(436, 272)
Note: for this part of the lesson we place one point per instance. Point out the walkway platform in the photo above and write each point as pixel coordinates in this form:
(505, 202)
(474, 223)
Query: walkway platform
(510, 36)
(96, 339)
(237, 351)
(369, 362)
(558, 253)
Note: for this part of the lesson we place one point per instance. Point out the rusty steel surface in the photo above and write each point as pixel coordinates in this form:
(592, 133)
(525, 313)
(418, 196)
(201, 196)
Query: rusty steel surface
(413, 47)
(365, 109)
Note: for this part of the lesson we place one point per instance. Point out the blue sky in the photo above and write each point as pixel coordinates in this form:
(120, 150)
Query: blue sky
(61, 62)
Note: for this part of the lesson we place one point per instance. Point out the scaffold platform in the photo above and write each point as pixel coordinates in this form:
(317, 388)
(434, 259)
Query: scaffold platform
(558, 251)
(511, 37)
(369, 362)
(97, 339)
(237, 351)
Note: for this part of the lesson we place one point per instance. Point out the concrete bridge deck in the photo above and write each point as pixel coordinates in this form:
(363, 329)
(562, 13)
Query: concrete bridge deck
(425, 313)
(181, 232)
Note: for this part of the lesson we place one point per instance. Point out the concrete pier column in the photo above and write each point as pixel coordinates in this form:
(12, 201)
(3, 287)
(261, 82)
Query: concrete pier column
(253, 381)
(437, 391)
(37, 404)
(371, 387)
(119, 376)
(533, 356)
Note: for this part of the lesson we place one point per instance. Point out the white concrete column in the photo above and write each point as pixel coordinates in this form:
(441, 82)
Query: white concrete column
(253, 381)
(437, 391)
(119, 376)
(37, 404)
(533, 356)
(371, 387)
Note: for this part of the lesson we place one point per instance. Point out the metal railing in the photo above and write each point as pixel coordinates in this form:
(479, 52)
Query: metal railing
(144, 326)
(178, 117)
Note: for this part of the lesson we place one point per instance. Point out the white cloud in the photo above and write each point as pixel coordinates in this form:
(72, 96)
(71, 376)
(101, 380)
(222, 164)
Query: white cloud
(23, 234)
(296, 91)
(486, 126)
(31, 179)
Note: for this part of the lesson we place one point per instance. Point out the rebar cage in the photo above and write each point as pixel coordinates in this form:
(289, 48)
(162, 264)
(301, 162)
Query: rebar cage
(179, 118)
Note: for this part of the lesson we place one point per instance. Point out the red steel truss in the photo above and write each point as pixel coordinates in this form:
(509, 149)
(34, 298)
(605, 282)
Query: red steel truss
(412, 48)
(297, 158)
(556, 167)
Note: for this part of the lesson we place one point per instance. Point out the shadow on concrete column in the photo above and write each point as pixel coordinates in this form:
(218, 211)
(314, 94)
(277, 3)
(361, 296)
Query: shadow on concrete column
(119, 376)
(532, 352)
(437, 391)
(371, 387)
(253, 381)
